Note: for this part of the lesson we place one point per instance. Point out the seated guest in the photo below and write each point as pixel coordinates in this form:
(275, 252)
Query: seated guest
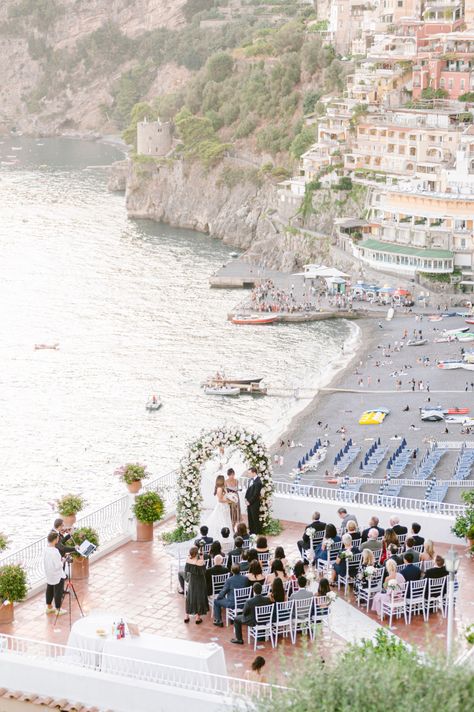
(277, 570)
(340, 565)
(277, 593)
(392, 575)
(298, 570)
(225, 598)
(428, 552)
(225, 533)
(242, 531)
(248, 614)
(323, 587)
(396, 526)
(302, 592)
(330, 533)
(244, 561)
(367, 560)
(318, 526)
(345, 517)
(215, 570)
(415, 531)
(438, 570)
(410, 542)
(389, 537)
(410, 572)
(237, 551)
(393, 553)
(353, 530)
(371, 542)
(252, 555)
(280, 554)
(204, 538)
(261, 545)
(373, 524)
(255, 674)
(255, 573)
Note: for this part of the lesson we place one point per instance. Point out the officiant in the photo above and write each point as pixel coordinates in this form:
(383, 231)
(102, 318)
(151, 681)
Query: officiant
(252, 499)
(232, 486)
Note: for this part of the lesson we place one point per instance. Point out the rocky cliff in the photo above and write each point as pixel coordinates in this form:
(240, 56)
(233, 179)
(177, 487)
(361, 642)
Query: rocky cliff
(236, 204)
(52, 80)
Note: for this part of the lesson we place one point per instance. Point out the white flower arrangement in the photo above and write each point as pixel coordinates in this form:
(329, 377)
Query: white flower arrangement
(188, 510)
(329, 542)
(392, 585)
(369, 571)
(346, 554)
(331, 596)
(310, 532)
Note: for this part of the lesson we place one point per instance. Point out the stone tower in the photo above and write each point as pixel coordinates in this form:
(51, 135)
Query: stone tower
(154, 138)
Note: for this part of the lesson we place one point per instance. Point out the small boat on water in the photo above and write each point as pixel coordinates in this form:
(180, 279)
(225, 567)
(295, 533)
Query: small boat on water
(255, 319)
(465, 336)
(432, 416)
(154, 403)
(460, 419)
(52, 347)
(470, 320)
(444, 339)
(222, 391)
(457, 411)
(454, 332)
(450, 364)
(417, 342)
(435, 317)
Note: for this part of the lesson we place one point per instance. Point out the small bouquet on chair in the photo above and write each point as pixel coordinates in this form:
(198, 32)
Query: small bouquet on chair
(331, 596)
(392, 586)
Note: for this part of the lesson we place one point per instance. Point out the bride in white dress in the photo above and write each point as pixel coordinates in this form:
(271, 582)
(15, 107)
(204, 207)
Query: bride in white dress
(220, 515)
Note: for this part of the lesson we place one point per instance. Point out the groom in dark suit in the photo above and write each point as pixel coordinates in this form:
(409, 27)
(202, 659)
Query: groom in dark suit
(252, 499)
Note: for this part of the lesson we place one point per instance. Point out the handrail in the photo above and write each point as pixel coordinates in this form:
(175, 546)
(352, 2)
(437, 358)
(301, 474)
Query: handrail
(405, 482)
(151, 672)
(368, 498)
(112, 522)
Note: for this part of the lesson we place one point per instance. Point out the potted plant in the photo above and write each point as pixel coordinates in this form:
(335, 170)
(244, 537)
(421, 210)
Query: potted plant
(68, 506)
(148, 509)
(464, 524)
(80, 565)
(132, 474)
(4, 541)
(13, 588)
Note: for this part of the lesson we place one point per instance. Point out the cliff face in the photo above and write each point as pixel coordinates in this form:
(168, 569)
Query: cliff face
(233, 204)
(31, 40)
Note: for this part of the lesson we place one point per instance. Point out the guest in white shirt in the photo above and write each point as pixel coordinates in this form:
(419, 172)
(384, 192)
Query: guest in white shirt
(55, 575)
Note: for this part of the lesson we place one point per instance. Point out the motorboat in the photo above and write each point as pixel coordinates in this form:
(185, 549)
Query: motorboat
(222, 390)
(470, 320)
(458, 419)
(154, 403)
(255, 319)
(465, 336)
(456, 411)
(444, 339)
(431, 416)
(234, 255)
(221, 378)
(450, 364)
(454, 332)
(417, 342)
(435, 317)
(468, 366)
(52, 347)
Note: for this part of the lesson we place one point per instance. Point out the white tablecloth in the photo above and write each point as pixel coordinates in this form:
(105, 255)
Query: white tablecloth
(206, 657)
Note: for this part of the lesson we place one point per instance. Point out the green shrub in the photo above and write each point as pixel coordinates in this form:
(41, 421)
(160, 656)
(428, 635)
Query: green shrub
(465, 522)
(219, 67)
(310, 100)
(13, 586)
(4, 541)
(83, 534)
(469, 96)
(148, 507)
(70, 504)
(303, 141)
(177, 535)
(337, 684)
(345, 183)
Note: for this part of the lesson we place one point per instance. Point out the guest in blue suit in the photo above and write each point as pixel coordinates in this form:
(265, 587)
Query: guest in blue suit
(225, 598)
(410, 572)
(329, 533)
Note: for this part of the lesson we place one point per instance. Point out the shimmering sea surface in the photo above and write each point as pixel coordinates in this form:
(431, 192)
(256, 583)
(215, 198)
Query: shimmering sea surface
(129, 303)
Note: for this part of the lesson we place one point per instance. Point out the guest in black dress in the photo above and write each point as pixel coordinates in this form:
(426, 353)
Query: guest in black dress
(196, 595)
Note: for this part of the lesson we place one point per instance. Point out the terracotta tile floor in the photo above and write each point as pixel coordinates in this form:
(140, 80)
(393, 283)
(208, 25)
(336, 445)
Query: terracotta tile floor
(135, 581)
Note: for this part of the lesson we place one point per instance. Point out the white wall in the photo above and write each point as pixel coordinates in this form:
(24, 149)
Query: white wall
(299, 509)
(107, 692)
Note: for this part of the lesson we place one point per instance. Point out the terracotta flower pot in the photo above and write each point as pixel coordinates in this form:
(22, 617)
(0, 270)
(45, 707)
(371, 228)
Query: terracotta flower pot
(134, 487)
(80, 569)
(6, 614)
(69, 521)
(144, 531)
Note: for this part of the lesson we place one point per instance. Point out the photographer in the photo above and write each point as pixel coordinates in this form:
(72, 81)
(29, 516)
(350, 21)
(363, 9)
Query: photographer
(55, 575)
(63, 537)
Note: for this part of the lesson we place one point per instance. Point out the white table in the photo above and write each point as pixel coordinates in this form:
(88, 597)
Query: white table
(205, 657)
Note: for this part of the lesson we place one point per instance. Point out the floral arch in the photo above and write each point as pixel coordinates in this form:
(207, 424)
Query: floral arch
(253, 449)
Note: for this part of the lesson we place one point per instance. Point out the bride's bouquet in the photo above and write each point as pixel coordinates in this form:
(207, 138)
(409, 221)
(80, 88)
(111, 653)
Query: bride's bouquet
(232, 497)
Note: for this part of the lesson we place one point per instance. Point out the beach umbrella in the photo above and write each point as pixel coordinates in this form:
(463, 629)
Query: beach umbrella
(311, 453)
(361, 467)
(319, 442)
(378, 441)
(299, 464)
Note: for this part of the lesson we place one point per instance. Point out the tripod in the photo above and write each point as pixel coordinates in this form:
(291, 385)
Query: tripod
(69, 591)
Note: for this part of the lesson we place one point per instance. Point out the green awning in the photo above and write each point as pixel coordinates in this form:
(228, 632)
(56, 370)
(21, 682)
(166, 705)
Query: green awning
(405, 250)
